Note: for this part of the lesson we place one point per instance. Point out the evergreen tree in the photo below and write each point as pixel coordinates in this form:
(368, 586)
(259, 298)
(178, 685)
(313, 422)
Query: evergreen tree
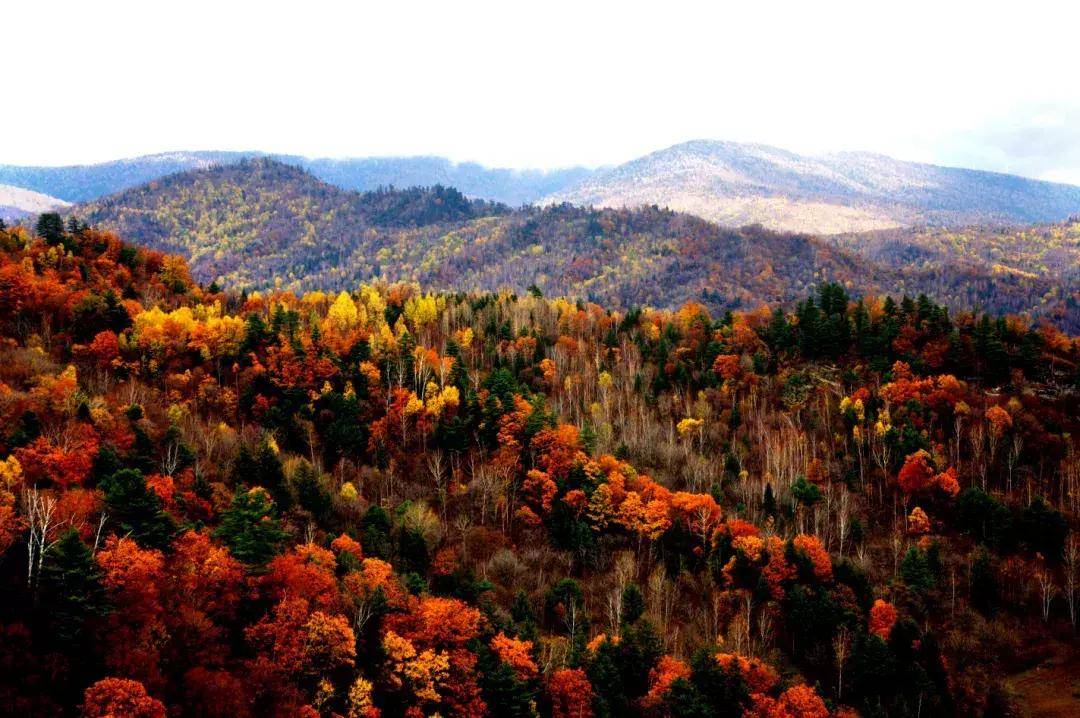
(249, 527)
(137, 510)
(70, 590)
(915, 570)
(50, 227)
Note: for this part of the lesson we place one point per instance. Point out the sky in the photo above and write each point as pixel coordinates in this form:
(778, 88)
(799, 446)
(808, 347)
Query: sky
(543, 84)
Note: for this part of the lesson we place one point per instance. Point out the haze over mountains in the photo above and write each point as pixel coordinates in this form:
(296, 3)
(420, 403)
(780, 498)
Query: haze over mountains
(729, 183)
(80, 183)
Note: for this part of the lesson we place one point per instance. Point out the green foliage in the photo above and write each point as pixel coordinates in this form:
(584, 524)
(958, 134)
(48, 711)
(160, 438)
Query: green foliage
(250, 528)
(137, 510)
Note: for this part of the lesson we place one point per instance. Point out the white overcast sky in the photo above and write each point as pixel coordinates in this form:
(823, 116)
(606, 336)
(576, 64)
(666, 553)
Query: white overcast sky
(543, 84)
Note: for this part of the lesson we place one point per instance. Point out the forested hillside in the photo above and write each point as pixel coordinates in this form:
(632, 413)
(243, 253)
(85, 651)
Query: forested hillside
(391, 502)
(260, 224)
(1044, 256)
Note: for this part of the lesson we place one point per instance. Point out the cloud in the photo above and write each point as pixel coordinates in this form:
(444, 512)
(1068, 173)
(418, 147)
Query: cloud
(1041, 141)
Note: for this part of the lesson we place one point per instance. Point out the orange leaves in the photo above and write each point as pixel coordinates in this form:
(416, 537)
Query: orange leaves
(799, 701)
(436, 621)
(63, 464)
(558, 450)
(759, 677)
(516, 654)
(329, 643)
(668, 670)
(116, 697)
(727, 366)
(918, 523)
(204, 576)
(306, 572)
(947, 482)
(1000, 421)
(345, 544)
(882, 618)
(777, 571)
(571, 694)
(293, 641)
(539, 490)
(811, 547)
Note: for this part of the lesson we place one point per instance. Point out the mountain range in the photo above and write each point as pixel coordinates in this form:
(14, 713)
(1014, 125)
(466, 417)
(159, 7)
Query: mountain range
(81, 183)
(736, 184)
(729, 183)
(263, 223)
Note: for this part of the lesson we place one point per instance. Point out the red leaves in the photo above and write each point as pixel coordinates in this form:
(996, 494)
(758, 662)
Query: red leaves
(116, 697)
(916, 474)
(571, 694)
(882, 618)
(306, 572)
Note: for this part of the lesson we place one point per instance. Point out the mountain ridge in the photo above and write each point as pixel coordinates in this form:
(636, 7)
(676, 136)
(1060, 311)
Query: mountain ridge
(734, 183)
(262, 223)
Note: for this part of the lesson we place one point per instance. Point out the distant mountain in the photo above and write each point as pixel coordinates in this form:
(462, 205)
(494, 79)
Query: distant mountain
(262, 223)
(81, 183)
(16, 202)
(737, 184)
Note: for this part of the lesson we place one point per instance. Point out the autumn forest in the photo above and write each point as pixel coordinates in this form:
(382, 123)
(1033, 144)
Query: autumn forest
(394, 502)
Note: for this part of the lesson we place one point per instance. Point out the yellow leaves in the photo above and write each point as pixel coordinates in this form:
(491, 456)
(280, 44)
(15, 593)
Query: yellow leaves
(413, 405)
(360, 703)
(855, 406)
(604, 381)
(423, 673)
(343, 316)
(464, 337)
(348, 491)
(11, 475)
(373, 302)
(690, 427)
(439, 401)
(423, 310)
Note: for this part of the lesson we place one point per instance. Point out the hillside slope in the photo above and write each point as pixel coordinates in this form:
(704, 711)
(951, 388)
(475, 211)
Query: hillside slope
(391, 503)
(261, 223)
(738, 184)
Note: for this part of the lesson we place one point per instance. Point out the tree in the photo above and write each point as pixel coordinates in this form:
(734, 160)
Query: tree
(882, 618)
(50, 227)
(916, 572)
(137, 510)
(570, 693)
(115, 697)
(250, 527)
(71, 590)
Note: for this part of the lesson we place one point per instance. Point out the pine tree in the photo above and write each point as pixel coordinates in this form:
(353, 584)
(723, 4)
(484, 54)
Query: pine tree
(250, 527)
(70, 589)
(137, 510)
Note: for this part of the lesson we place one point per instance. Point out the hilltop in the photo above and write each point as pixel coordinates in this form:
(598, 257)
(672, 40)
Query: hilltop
(735, 184)
(261, 223)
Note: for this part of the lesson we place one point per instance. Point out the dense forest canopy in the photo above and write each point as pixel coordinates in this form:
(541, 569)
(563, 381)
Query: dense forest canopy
(389, 501)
